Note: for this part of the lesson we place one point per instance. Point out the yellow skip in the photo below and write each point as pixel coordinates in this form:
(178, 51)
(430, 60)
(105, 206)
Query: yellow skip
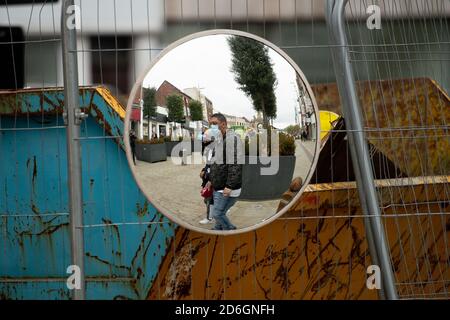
(327, 119)
(112, 101)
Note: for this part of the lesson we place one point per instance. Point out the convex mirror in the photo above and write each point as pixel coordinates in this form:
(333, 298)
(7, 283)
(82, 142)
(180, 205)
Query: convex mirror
(221, 132)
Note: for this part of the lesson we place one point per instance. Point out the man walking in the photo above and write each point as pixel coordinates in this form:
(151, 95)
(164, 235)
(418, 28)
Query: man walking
(225, 171)
(133, 145)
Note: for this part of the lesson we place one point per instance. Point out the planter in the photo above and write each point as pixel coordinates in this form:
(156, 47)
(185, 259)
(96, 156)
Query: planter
(256, 186)
(151, 152)
(169, 147)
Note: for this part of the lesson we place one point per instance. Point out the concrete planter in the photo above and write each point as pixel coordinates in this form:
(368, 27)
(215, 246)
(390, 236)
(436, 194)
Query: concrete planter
(169, 147)
(151, 152)
(256, 186)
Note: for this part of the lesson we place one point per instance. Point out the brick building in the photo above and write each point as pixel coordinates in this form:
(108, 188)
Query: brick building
(207, 105)
(166, 89)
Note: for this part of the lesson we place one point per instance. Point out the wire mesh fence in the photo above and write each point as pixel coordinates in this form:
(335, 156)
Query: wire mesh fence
(402, 89)
(318, 250)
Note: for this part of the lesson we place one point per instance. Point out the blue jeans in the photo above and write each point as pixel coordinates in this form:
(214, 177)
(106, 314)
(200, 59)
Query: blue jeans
(221, 206)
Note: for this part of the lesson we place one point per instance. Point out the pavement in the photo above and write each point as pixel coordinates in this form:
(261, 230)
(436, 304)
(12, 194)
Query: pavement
(304, 156)
(176, 190)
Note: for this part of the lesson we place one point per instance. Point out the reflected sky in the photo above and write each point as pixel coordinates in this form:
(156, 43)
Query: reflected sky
(205, 62)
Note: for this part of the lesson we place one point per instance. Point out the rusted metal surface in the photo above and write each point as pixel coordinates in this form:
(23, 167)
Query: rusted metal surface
(317, 251)
(37, 105)
(286, 260)
(34, 236)
(392, 191)
(406, 119)
(31, 102)
(111, 101)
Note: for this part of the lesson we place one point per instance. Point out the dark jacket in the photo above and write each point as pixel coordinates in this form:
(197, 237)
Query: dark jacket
(207, 168)
(205, 178)
(132, 140)
(226, 167)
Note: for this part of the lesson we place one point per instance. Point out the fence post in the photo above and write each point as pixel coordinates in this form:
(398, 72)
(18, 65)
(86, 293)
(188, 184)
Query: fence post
(379, 249)
(73, 117)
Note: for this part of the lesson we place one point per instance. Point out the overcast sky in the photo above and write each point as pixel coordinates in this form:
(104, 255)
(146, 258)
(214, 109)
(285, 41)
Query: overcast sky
(206, 63)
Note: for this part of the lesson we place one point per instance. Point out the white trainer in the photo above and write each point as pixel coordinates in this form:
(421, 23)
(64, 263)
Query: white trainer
(205, 221)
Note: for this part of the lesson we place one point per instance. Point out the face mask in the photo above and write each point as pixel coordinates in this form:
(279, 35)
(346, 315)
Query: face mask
(212, 132)
(214, 127)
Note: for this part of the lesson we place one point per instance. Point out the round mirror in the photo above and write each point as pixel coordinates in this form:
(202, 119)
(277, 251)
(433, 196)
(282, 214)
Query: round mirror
(221, 132)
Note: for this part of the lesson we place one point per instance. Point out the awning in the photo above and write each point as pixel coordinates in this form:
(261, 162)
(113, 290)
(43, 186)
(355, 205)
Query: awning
(136, 114)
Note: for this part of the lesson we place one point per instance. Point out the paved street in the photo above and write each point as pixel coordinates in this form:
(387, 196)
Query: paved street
(304, 153)
(176, 189)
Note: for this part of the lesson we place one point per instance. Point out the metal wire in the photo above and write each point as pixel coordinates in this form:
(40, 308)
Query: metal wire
(426, 236)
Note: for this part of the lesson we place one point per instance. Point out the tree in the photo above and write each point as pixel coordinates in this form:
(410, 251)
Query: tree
(253, 71)
(293, 130)
(175, 108)
(149, 99)
(196, 108)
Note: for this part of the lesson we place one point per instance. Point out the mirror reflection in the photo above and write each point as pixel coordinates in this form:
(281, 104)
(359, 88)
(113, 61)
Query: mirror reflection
(223, 133)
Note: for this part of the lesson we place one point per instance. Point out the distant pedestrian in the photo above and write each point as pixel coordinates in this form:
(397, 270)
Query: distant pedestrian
(202, 138)
(304, 135)
(133, 145)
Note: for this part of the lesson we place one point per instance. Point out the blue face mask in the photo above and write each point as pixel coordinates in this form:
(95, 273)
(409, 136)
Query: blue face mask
(214, 131)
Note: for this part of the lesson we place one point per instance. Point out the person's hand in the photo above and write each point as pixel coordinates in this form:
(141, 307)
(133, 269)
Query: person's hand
(226, 192)
(208, 185)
